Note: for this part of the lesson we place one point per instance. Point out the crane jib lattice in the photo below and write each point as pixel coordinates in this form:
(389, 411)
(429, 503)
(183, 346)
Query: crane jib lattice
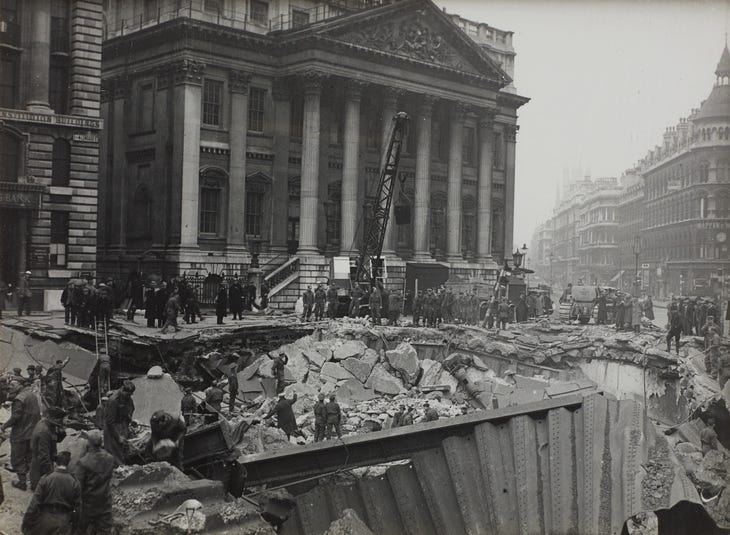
(369, 266)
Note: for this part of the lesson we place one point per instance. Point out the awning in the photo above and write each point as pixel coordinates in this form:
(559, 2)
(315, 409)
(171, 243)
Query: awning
(617, 277)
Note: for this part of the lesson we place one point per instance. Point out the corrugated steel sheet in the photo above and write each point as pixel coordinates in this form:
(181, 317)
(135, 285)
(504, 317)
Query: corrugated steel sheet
(568, 470)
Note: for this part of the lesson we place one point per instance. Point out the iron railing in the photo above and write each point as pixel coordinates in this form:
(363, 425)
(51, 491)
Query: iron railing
(280, 274)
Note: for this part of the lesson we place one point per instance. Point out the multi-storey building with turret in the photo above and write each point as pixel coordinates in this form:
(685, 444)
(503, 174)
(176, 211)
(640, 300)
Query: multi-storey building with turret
(686, 229)
(239, 125)
(50, 53)
(672, 228)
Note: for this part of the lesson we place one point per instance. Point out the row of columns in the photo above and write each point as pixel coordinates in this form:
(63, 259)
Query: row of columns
(186, 77)
(422, 123)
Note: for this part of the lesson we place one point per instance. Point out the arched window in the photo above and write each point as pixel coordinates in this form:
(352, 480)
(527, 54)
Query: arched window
(333, 214)
(258, 187)
(438, 224)
(211, 204)
(61, 167)
(9, 157)
(468, 227)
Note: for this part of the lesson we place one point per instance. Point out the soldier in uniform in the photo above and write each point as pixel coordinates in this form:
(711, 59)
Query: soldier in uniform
(331, 301)
(375, 305)
(355, 297)
(221, 304)
(25, 414)
(43, 442)
(235, 298)
(278, 369)
(320, 298)
(320, 418)
(54, 508)
(418, 308)
(94, 473)
(308, 302)
(334, 418)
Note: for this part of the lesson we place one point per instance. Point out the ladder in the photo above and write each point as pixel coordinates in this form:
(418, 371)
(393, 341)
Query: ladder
(102, 338)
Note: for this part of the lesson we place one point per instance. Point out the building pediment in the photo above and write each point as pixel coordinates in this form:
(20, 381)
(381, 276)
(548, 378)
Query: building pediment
(414, 30)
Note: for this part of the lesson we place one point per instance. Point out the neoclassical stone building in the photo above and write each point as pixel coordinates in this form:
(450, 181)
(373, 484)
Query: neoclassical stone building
(240, 123)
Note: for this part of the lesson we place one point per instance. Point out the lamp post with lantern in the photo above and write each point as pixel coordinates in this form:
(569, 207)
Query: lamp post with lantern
(637, 252)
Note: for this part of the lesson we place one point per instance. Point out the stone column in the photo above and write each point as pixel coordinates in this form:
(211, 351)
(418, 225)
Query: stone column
(390, 107)
(422, 200)
(188, 79)
(118, 146)
(40, 55)
(350, 167)
(280, 190)
(509, 188)
(484, 189)
(309, 199)
(236, 236)
(453, 214)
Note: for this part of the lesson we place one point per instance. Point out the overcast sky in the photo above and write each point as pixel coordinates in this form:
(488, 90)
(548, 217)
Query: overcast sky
(605, 78)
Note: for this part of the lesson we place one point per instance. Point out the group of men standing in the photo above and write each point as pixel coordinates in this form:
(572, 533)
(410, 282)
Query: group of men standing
(63, 502)
(437, 305)
(238, 297)
(84, 304)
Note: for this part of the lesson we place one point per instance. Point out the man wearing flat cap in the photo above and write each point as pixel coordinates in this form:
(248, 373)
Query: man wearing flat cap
(43, 444)
(94, 473)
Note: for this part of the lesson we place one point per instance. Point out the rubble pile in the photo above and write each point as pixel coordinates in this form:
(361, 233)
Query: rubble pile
(373, 371)
(153, 498)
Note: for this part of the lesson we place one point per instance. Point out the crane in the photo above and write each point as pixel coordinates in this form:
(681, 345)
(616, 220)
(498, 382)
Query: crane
(369, 265)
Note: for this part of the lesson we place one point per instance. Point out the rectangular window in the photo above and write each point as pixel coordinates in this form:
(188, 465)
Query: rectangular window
(256, 101)
(441, 142)
(299, 18)
(150, 9)
(59, 239)
(8, 81)
(209, 201)
(212, 98)
(59, 26)
(259, 12)
(145, 120)
(297, 118)
(212, 6)
(254, 212)
(469, 143)
(58, 85)
(373, 134)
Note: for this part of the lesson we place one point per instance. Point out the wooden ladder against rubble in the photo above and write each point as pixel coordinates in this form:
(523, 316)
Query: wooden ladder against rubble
(101, 337)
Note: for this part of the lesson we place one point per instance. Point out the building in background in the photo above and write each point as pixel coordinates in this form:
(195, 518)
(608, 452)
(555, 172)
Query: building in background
(687, 197)
(597, 230)
(233, 126)
(50, 79)
(672, 210)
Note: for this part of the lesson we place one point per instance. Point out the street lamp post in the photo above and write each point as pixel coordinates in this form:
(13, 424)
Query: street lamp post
(524, 255)
(637, 252)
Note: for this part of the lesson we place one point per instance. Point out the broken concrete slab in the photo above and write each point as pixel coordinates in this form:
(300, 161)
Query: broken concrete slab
(250, 389)
(249, 371)
(349, 348)
(306, 397)
(383, 382)
(434, 374)
(404, 358)
(335, 372)
(78, 369)
(314, 357)
(298, 366)
(352, 391)
(152, 395)
(360, 369)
